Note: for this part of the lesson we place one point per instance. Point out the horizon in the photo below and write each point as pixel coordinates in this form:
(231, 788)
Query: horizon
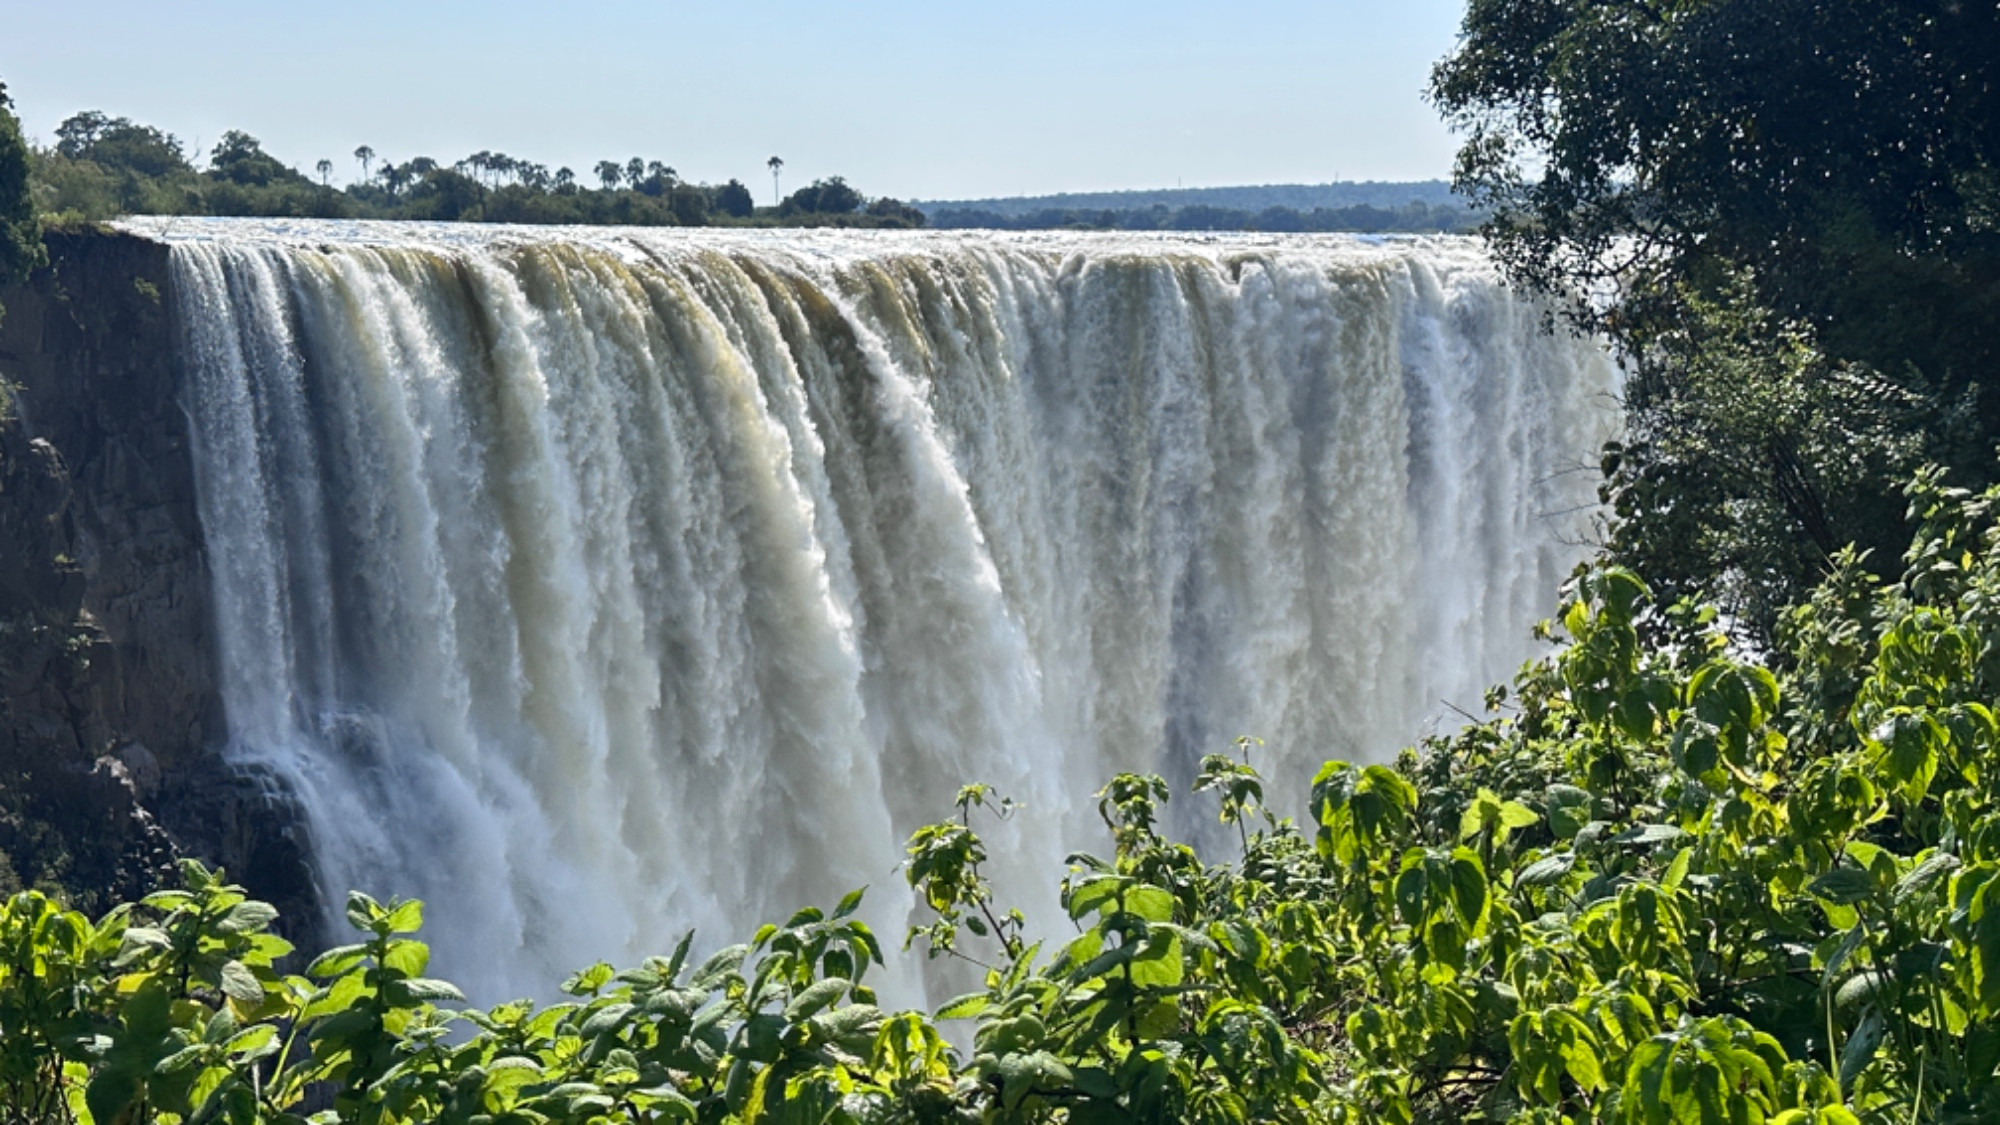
(1159, 190)
(1098, 99)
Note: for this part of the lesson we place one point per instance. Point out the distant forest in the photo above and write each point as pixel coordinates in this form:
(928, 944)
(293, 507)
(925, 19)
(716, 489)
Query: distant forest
(1298, 197)
(1361, 218)
(1363, 207)
(101, 167)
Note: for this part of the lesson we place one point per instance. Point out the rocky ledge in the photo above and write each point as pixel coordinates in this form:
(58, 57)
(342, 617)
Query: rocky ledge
(111, 722)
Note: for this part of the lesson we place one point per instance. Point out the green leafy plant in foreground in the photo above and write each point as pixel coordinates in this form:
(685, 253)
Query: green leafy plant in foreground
(1670, 881)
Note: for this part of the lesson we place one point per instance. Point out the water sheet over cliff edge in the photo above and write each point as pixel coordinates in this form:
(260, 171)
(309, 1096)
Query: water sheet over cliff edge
(592, 584)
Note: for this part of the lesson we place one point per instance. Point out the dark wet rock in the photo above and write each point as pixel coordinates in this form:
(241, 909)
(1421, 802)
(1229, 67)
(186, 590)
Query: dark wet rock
(111, 723)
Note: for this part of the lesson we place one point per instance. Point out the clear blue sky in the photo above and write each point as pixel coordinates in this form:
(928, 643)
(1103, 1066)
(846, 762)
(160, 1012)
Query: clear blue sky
(937, 100)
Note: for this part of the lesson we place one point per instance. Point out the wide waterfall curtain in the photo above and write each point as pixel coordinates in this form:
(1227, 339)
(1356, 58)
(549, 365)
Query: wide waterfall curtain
(592, 586)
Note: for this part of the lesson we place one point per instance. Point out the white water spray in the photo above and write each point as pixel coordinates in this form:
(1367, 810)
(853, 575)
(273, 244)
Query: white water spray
(593, 585)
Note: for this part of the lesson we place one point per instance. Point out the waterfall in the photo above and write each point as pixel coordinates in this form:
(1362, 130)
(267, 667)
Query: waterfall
(592, 585)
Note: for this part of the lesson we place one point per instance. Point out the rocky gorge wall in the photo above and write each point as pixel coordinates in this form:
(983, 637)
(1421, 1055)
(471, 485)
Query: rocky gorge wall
(110, 718)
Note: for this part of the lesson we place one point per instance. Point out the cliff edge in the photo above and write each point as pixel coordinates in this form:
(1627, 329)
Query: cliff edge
(111, 721)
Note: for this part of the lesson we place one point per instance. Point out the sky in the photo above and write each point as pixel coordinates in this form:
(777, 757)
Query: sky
(940, 100)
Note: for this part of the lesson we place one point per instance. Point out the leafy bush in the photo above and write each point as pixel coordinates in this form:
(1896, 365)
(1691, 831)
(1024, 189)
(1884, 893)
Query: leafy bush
(1664, 884)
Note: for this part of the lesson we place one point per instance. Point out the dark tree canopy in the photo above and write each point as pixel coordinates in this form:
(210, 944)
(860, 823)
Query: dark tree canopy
(1787, 212)
(887, 208)
(1843, 152)
(443, 194)
(734, 199)
(119, 142)
(240, 158)
(20, 232)
(831, 196)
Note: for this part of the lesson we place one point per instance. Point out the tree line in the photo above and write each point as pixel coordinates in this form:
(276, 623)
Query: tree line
(102, 166)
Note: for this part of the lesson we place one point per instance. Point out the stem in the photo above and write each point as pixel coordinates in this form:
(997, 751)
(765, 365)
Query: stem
(1917, 1105)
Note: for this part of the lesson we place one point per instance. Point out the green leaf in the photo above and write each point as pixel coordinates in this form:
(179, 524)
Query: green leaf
(1151, 903)
(1938, 865)
(249, 1042)
(407, 957)
(1468, 886)
(1568, 809)
(605, 1019)
(336, 961)
(247, 917)
(1677, 871)
(1159, 963)
(1546, 871)
(1843, 885)
(239, 983)
(184, 1059)
(1581, 1061)
(1986, 958)
(1093, 894)
(114, 1086)
(1838, 958)
(1860, 1049)
(421, 990)
(724, 962)
(1413, 890)
(806, 1003)
(1862, 987)
(406, 917)
(965, 1007)
(587, 982)
(362, 911)
(1648, 834)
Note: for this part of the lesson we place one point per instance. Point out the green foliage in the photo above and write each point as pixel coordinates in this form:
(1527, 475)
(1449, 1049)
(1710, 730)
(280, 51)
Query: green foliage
(1787, 214)
(119, 144)
(20, 231)
(1667, 883)
(733, 199)
(1750, 459)
(822, 197)
(239, 158)
(1842, 151)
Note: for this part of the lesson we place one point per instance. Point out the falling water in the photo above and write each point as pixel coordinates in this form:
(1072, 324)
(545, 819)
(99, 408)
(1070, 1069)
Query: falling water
(593, 585)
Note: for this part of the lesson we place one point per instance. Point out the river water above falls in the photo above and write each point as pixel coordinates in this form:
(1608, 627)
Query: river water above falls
(595, 584)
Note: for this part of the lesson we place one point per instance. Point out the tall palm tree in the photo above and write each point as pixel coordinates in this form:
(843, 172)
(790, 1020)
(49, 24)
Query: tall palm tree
(325, 170)
(366, 156)
(774, 164)
(609, 172)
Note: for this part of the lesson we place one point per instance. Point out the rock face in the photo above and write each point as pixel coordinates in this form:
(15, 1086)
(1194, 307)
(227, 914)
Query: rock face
(111, 726)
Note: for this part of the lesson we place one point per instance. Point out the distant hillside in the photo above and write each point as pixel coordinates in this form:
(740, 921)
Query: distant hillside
(1370, 208)
(1297, 197)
